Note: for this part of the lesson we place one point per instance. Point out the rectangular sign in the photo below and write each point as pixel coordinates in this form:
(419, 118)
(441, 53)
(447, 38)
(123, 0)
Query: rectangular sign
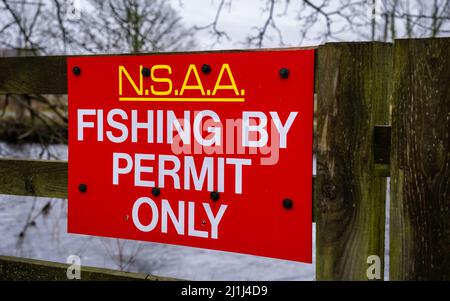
(208, 150)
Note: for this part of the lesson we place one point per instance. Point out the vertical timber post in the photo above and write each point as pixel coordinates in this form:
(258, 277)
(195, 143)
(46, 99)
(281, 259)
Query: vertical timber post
(420, 172)
(353, 87)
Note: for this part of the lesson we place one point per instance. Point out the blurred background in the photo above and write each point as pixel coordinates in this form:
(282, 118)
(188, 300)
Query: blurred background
(35, 126)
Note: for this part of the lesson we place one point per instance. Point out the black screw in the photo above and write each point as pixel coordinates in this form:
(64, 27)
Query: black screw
(206, 68)
(156, 191)
(145, 72)
(214, 195)
(284, 73)
(76, 70)
(288, 203)
(82, 188)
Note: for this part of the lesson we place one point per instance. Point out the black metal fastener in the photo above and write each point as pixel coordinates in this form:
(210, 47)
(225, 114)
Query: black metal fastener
(156, 191)
(145, 72)
(288, 203)
(76, 70)
(206, 68)
(284, 72)
(82, 188)
(214, 195)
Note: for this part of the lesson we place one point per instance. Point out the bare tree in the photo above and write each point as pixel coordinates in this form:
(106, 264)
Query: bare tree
(122, 252)
(212, 27)
(391, 19)
(19, 24)
(37, 27)
(325, 20)
(132, 26)
(103, 27)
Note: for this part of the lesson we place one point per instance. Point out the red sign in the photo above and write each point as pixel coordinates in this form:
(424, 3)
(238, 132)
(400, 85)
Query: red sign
(208, 150)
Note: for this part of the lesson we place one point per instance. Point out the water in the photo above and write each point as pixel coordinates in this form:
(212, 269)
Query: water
(45, 237)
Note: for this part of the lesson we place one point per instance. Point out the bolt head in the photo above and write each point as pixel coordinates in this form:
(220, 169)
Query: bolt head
(284, 73)
(156, 191)
(145, 72)
(82, 188)
(288, 203)
(206, 68)
(76, 70)
(215, 196)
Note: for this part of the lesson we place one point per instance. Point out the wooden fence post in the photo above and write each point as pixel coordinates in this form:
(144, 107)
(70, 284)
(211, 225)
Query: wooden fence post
(353, 87)
(420, 172)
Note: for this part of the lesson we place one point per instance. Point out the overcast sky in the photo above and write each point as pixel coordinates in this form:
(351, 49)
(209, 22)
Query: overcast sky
(238, 21)
(242, 18)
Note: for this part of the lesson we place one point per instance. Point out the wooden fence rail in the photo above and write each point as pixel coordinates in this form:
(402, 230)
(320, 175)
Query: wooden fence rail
(352, 94)
(420, 171)
(16, 268)
(357, 87)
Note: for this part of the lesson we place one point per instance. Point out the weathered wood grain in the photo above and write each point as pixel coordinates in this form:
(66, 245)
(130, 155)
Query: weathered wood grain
(42, 178)
(48, 74)
(33, 178)
(24, 269)
(353, 86)
(33, 75)
(420, 158)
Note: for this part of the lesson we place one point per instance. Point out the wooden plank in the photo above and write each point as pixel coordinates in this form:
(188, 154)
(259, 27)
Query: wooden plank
(33, 178)
(24, 269)
(48, 74)
(42, 178)
(33, 75)
(420, 162)
(352, 92)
